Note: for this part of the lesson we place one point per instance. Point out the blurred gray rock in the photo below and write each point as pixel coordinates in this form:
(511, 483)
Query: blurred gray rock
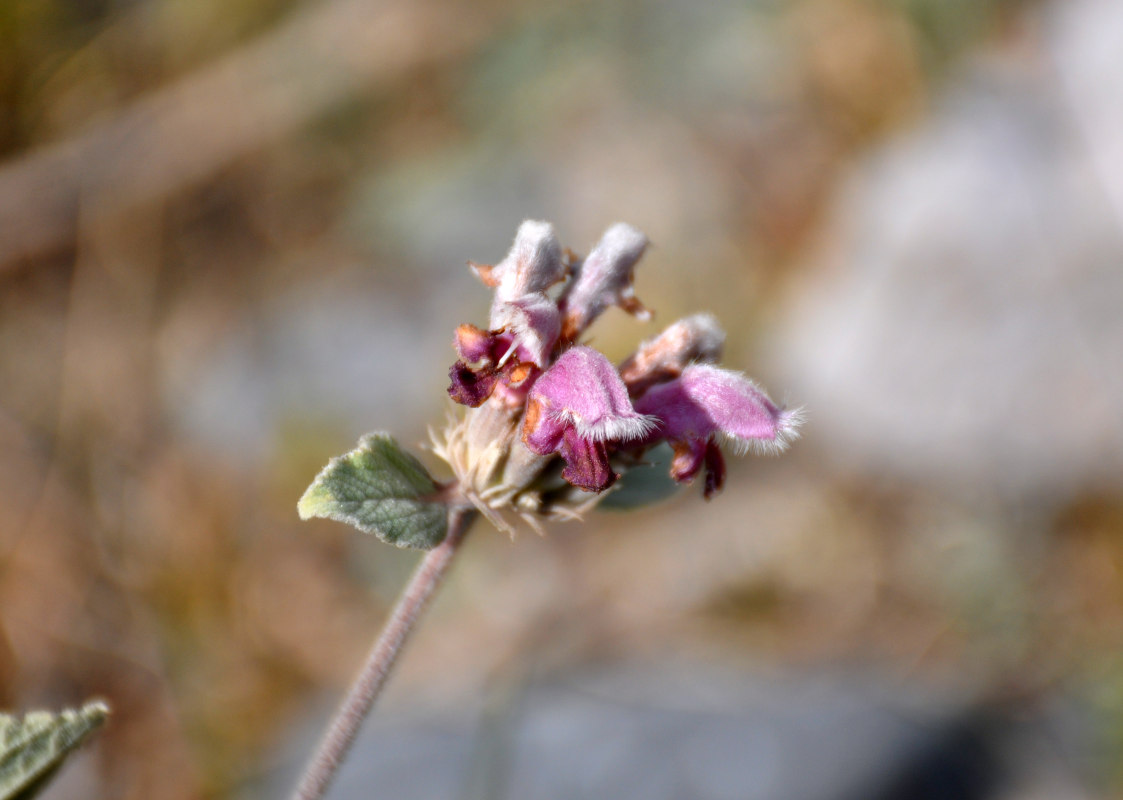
(704, 734)
(964, 323)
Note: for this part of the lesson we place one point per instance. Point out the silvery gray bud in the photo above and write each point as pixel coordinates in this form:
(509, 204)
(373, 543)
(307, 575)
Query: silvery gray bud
(533, 264)
(605, 279)
(694, 339)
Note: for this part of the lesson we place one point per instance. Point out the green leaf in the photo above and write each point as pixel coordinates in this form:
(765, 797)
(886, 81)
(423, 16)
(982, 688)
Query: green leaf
(643, 484)
(32, 749)
(381, 489)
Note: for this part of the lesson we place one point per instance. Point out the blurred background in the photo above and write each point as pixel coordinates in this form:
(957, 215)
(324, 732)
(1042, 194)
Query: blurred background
(233, 239)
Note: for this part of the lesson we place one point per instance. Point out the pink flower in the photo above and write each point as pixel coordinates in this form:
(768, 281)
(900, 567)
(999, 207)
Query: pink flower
(525, 322)
(577, 408)
(529, 380)
(706, 402)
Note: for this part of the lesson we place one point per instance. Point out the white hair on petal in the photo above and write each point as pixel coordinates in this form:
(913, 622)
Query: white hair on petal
(533, 264)
(709, 338)
(617, 429)
(787, 431)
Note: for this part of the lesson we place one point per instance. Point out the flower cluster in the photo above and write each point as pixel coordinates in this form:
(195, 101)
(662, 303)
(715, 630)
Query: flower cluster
(552, 415)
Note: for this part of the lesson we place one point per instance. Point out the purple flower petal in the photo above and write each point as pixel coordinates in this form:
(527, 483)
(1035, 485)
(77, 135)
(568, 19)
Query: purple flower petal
(575, 409)
(475, 345)
(706, 400)
(470, 387)
(605, 279)
(586, 462)
(715, 469)
(582, 389)
(691, 456)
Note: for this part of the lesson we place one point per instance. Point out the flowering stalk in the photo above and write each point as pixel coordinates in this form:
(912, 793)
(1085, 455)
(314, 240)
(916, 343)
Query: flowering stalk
(551, 427)
(553, 424)
(344, 726)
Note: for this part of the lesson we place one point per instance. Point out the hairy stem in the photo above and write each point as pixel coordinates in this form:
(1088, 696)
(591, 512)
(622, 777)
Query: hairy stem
(344, 726)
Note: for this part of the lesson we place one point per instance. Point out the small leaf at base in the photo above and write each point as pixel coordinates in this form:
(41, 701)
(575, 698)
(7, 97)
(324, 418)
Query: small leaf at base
(32, 748)
(381, 489)
(643, 484)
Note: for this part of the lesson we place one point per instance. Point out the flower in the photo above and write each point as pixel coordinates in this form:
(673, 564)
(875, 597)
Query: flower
(485, 360)
(524, 322)
(553, 424)
(706, 402)
(521, 307)
(576, 409)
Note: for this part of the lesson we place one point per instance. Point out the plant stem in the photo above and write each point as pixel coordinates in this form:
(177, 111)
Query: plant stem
(344, 726)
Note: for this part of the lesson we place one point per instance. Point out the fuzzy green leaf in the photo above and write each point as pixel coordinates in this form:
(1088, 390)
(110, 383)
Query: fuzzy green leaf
(381, 489)
(32, 748)
(644, 484)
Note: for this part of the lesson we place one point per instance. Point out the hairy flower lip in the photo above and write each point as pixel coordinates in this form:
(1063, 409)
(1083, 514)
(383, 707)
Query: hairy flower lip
(706, 403)
(576, 409)
(706, 400)
(607, 430)
(582, 390)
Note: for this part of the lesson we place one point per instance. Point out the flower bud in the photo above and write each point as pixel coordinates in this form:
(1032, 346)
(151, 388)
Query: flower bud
(605, 279)
(533, 264)
(696, 338)
(706, 402)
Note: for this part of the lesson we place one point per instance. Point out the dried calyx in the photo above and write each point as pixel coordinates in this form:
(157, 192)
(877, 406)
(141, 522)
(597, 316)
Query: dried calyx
(549, 415)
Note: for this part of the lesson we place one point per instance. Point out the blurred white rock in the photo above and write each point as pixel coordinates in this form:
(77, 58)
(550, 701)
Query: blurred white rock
(964, 322)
